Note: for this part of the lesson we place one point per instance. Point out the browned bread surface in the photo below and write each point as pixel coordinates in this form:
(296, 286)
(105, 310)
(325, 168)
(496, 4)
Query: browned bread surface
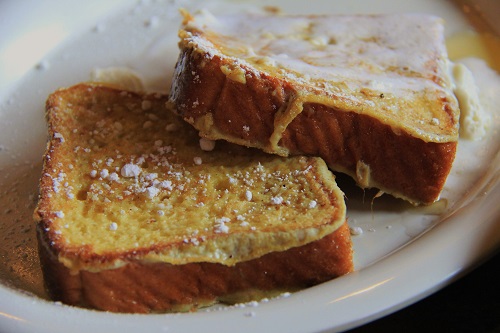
(140, 287)
(130, 202)
(397, 130)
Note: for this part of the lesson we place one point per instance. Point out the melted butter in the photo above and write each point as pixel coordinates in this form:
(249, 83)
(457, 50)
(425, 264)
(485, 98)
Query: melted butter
(468, 44)
(474, 119)
(119, 77)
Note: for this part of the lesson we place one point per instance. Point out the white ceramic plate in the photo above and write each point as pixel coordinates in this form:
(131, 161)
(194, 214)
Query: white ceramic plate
(403, 255)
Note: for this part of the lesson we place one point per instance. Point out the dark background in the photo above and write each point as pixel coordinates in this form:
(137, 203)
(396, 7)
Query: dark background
(470, 304)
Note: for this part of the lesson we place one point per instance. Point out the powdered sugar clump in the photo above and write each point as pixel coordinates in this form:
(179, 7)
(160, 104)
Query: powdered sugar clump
(277, 200)
(221, 226)
(130, 170)
(248, 195)
(59, 136)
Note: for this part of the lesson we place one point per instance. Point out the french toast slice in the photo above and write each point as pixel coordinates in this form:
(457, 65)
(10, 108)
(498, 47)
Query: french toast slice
(370, 94)
(134, 216)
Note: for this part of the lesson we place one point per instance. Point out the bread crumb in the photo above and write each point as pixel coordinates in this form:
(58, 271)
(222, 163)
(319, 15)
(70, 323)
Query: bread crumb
(171, 127)
(197, 160)
(153, 117)
(355, 231)
(206, 144)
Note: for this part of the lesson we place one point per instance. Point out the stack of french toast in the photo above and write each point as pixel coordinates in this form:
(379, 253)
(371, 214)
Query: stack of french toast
(222, 190)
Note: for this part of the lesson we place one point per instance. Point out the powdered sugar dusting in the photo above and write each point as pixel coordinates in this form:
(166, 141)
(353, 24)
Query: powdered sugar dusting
(171, 188)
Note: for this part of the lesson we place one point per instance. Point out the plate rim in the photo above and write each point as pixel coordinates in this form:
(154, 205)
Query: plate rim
(13, 303)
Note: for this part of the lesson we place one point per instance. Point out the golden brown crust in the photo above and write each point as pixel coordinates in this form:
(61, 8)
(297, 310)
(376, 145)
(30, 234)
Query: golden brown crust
(220, 108)
(159, 287)
(75, 204)
(399, 163)
(102, 235)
